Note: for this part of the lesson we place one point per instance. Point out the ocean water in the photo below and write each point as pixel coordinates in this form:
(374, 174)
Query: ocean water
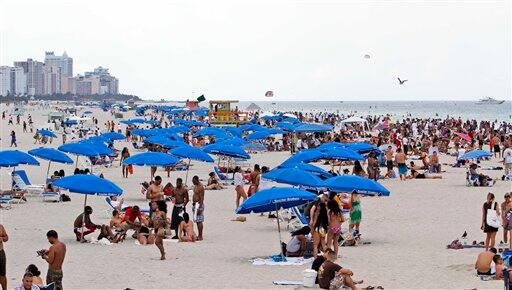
(399, 109)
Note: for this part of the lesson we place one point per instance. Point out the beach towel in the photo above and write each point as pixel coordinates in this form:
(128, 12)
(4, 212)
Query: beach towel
(290, 261)
(288, 282)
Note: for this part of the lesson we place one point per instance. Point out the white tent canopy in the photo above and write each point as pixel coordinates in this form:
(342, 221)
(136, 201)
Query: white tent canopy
(355, 119)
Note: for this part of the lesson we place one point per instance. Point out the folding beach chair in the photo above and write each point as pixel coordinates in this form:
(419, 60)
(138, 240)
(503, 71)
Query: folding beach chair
(20, 181)
(297, 220)
(221, 176)
(7, 200)
(123, 209)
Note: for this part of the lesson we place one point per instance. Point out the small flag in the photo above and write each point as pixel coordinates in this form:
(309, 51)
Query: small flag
(201, 98)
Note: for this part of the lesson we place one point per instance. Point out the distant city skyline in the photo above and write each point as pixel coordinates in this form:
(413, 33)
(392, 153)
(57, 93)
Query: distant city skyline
(301, 50)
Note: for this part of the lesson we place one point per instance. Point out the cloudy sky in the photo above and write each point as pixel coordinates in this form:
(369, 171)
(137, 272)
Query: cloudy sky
(301, 50)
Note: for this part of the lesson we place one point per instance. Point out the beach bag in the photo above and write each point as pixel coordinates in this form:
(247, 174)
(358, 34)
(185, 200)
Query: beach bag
(130, 169)
(336, 282)
(492, 218)
(64, 198)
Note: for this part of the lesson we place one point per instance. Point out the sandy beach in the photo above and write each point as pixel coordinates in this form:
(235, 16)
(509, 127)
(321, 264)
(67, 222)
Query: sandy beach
(408, 231)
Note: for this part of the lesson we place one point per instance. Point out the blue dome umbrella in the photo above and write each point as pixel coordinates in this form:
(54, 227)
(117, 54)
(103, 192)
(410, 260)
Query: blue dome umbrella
(48, 133)
(190, 153)
(79, 149)
(88, 184)
(52, 155)
(354, 183)
(274, 199)
(113, 136)
(153, 159)
(294, 176)
(475, 154)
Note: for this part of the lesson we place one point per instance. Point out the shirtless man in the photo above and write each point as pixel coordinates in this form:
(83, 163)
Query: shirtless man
(3, 273)
(389, 161)
(484, 261)
(180, 200)
(155, 192)
(400, 159)
(255, 180)
(55, 258)
(198, 213)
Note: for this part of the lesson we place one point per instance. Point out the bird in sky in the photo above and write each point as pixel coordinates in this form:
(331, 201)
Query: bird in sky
(401, 81)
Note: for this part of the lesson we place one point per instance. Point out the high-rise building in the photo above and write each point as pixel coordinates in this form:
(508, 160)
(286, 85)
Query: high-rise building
(35, 75)
(18, 81)
(52, 79)
(87, 85)
(5, 81)
(108, 84)
(64, 62)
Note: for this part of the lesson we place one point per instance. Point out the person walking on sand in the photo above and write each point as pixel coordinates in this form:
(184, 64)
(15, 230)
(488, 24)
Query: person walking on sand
(13, 139)
(198, 212)
(490, 231)
(55, 258)
(124, 154)
(3, 260)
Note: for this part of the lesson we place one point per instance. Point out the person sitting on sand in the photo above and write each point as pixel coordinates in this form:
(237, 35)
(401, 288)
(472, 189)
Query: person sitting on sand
(483, 180)
(333, 276)
(129, 219)
(86, 226)
(434, 165)
(499, 266)
(213, 183)
(297, 245)
(186, 230)
(484, 261)
(416, 175)
(36, 275)
(145, 235)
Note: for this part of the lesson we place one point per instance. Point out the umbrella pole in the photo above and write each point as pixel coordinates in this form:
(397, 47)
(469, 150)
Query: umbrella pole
(76, 162)
(186, 176)
(279, 230)
(48, 170)
(83, 217)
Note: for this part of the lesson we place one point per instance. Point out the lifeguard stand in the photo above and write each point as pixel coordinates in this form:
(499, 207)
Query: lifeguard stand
(223, 113)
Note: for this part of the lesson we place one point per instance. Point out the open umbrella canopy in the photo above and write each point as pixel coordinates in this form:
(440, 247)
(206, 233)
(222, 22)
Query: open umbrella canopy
(351, 183)
(341, 154)
(232, 141)
(48, 133)
(311, 128)
(88, 184)
(475, 154)
(275, 198)
(6, 162)
(262, 134)
(143, 132)
(113, 136)
(212, 131)
(252, 127)
(307, 167)
(70, 122)
(463, 136)
(191, 153)
(50, 154)
(166, 141)
(226, 150)
(99, 147)
(17, 157)
(234, 131)
(151, 159)
(361, 147)
(179, 129)
(305, 156)
(294, 176)
(254, 146)
(82, 149)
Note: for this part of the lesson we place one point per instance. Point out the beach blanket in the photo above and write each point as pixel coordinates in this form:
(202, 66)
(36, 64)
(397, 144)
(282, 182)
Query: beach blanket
(288, 282)
(290, 261)
(103, 242)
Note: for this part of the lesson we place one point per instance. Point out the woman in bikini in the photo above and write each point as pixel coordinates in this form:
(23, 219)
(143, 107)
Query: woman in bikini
(319, 225)
(335, 220)
(186, 230)
(161, 226)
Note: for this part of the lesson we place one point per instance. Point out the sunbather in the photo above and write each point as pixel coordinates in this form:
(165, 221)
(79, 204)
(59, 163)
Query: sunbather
(416, 175)
(186, 230)
(213, 183)
(484, 261)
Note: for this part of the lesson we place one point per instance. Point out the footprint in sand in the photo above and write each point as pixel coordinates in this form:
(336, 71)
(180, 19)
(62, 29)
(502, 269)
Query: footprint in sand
(461, 267)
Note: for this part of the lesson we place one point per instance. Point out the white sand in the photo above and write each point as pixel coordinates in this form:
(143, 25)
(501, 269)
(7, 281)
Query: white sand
(408, 231)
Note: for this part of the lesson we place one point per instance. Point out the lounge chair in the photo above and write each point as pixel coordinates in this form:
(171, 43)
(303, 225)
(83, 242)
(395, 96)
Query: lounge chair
(7, 200)
(296, 219)
(20, 181)
(221, 176)
(123, 209)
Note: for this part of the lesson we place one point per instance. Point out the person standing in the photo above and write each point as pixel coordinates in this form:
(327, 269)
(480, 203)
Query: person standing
(238, 180)
(198, 212)
(180, 201)
(490, 231)
(255, 180)
(507, 159)
(496, 145)
(155, 192)
(389, 161)
(400, 159)
(3, 260)
(55, 258)
(355, 212)
(506, 207)
(13, 139)
(124, 154)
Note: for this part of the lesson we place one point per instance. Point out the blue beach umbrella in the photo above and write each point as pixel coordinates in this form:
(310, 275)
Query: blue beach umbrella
(52, 155)
(226, 150)
(475, 154)
(6, 162)
(307, 167)
(263, 134)
(88, 184)
(341, 154)
(113, 136)
(312, 128)
(294, 176)
(79, 149)
(48, 133)
(18, 157)
(153, 159)
(351, 183)
(190, 153)
(179, 129)
(274, 199)
(212, 131)
(305, 156)
(100, 147)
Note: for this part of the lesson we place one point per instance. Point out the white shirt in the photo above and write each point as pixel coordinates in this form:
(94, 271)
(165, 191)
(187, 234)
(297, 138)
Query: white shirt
(507, 156)
(238, 179)
(293, 245)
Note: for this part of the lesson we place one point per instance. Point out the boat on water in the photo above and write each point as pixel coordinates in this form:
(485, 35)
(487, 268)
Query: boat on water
(489, 101)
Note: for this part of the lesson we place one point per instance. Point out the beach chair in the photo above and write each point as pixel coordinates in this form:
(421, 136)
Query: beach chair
(123, 209)
(221, 176)
(20, 181)
(242, 162)
(297, 220)
(7, 200)
(50, 286)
